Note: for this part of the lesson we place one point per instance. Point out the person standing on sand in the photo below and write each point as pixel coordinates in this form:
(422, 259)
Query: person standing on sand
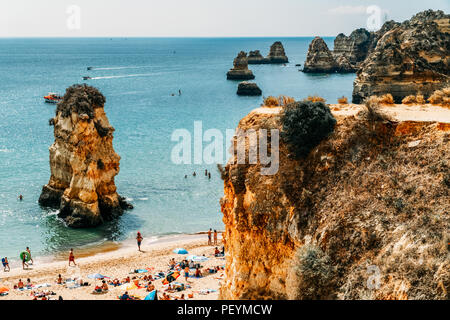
(5, 264)
(29, 252)
(24, 261)
(186, 273)
(71, 257)
(209, 237)
(215, 237)
(139, 240)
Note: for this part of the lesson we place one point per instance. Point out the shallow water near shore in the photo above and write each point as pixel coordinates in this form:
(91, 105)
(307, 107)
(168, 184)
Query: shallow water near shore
(138, 77)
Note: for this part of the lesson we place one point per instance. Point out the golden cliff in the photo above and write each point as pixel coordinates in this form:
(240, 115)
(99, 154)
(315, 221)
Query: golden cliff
(364, 216)
(83, 162)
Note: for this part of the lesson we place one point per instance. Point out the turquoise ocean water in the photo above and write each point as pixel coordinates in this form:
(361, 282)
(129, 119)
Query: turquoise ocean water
(137, 77)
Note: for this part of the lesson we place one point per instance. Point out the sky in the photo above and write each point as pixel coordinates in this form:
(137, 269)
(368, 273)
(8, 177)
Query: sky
(200, 18)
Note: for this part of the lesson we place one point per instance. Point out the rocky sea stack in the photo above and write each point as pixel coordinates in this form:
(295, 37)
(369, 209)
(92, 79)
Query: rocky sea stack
(240, 69)
(83, 162)
(411, 58)
(246, 88)
(255, 57)
(319, 58)
(277, 54)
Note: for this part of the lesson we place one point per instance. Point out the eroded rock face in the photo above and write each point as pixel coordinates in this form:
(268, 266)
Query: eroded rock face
(319, 58)
(354, 47)
(83, 162)
(277, 54)
(412, 58)
(321, 227)
(240, 69)
(246, 88)
(255, 57)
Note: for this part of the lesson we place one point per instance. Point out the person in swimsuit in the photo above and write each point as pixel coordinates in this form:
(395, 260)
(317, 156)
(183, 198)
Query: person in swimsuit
(24, 261)
(5, 264)
(71, 257)
(209, 237)
(60, 280)
(139, 240)
(29, 252)
(186, 273)
(215, 237)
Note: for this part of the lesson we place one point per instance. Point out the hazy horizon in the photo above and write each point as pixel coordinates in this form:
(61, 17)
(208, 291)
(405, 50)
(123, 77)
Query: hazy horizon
(198, 18)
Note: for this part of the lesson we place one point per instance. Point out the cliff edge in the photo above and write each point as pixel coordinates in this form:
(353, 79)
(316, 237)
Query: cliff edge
(365, 215)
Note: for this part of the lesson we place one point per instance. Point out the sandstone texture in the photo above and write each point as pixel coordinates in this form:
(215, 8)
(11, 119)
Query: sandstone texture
(240, 69)
(411, 58)
(319, 58)
(365, 216)
(277, 54)
(83, 162)
(255, 57)
(246, 88)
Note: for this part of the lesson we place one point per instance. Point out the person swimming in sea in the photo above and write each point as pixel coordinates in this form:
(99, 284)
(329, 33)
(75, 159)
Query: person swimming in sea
(209, 175)
(206, 172)
(179, 92)
(185, 176)
(20, 197)
(194, 174)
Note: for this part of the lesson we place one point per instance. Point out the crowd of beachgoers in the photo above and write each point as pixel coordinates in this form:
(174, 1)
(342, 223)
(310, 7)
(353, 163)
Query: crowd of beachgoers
(152, 272)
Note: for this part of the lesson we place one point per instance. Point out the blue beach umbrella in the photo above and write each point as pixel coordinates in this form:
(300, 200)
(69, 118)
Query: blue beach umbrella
(151, 295)
(180, 251)
(97, 276)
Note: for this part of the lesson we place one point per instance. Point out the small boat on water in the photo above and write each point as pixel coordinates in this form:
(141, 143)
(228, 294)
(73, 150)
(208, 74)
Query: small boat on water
(86, 78)
(52, 97)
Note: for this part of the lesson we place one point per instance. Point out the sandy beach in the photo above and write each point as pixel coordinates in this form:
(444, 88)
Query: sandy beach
(119, 264)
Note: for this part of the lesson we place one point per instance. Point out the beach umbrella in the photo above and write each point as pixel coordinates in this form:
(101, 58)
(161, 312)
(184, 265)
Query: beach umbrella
(180, 251)
(151, 295)
(97, 276)
(197, 258)
(27, 256)
(3, 289)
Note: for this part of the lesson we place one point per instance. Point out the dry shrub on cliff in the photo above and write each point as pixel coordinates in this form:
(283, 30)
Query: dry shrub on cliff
(440, 97)
(412, 99)
(305, 125)
(315, 274)
(315, 99)
(343, 100)
(271, 102)
(386, 99)
(373, 112)
(82, 99)
(281, 101)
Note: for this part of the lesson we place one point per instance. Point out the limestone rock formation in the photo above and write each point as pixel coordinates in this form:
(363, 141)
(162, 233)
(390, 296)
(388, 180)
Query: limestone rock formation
(255, 57)
(351, 221)
(319, 58)
(354, 47)
(240, 69)
(277, 54)
(246, 88)
(83, 162)
(411, 58)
